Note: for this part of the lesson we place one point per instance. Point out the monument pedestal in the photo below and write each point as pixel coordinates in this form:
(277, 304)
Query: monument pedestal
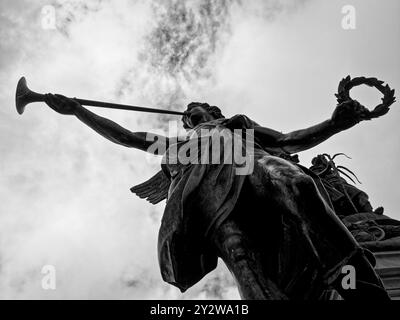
(388, 268)
(387, 255)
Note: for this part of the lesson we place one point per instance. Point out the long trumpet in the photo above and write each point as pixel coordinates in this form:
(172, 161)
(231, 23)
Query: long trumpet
(25, 96)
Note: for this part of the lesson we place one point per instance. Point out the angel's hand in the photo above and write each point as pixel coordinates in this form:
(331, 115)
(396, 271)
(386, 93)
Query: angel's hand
(61, 104)
(348, 114)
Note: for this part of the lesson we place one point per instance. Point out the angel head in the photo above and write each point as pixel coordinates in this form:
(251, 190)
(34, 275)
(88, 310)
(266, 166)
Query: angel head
(198, 112)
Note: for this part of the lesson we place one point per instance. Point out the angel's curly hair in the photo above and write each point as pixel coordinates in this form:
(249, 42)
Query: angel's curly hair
(213, 110)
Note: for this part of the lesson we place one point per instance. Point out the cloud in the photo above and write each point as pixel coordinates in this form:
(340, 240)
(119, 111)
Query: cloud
(59, 204)
(65, 197)
(183, 45)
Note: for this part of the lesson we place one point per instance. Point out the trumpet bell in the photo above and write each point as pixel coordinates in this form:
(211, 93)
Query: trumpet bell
(24, 96)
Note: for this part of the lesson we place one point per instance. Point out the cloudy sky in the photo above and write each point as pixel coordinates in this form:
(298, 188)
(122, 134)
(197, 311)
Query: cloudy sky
(64, 191)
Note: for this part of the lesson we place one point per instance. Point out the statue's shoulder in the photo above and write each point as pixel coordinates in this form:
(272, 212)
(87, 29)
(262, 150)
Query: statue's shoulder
(240, 121)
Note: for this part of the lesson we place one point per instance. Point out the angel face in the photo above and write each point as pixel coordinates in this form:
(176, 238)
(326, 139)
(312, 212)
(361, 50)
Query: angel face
(196, 114)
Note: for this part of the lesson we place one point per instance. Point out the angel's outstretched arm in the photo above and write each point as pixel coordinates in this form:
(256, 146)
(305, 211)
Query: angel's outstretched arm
(107, 128)
(345, 116)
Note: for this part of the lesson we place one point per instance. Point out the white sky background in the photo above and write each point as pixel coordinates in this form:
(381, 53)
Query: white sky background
(64, 191)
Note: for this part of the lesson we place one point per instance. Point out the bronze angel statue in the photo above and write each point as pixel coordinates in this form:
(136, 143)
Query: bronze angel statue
(275, 228)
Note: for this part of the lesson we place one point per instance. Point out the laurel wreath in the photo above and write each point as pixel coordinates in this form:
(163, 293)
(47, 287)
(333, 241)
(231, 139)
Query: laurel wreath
(388, 99)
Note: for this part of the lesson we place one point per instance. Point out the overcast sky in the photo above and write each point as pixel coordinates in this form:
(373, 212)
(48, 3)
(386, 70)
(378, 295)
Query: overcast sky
(64, 191)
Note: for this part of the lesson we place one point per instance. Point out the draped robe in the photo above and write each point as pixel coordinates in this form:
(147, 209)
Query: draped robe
(302, 258)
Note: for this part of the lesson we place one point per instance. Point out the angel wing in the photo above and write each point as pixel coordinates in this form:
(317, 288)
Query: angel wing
(153, 190)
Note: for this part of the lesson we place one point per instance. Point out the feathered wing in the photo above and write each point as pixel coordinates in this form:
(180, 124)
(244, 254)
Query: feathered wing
(153, 190)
